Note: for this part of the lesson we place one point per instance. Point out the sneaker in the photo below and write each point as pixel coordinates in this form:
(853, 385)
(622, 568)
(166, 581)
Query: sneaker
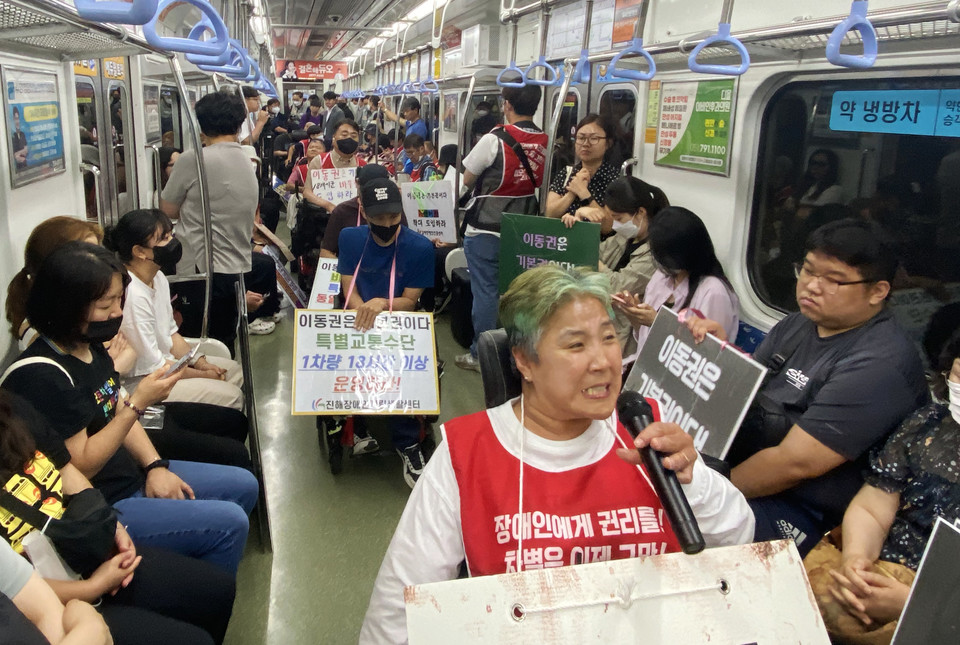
(467, 362)
(261, 327)
(364, 445)
(276, 318)
(413, 463)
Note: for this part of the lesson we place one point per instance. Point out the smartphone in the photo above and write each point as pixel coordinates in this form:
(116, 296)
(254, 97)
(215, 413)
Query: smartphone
(619, 299)
(182, 361)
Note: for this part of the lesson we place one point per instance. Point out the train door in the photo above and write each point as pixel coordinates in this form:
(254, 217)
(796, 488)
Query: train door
(482, 115)
(564, 154)
(617, 103)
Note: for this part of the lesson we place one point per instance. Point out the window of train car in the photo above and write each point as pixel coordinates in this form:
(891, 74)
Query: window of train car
(89, 152)
(879, 149)
(486, 113)
(121, 124)
(564, 155)
(619, 105)
(170, 119)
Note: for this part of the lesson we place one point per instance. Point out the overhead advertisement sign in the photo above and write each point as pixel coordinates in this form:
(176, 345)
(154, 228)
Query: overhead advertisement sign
(311, 70)
(918, 112)
(696, 125)
(34, 126)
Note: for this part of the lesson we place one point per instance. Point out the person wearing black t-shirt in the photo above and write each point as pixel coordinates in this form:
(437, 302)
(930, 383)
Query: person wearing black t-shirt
(847, 376)
(196, 509)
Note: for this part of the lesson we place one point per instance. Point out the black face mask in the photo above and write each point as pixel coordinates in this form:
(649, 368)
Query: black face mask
(100, 331)
(384, 233)
(347, 146)
(167, 256)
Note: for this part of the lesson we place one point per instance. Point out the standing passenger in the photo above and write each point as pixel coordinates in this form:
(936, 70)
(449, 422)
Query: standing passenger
(502, 182)
(233, 195)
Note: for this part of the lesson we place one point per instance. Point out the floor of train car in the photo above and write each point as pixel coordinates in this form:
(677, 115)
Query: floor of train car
(329, 533)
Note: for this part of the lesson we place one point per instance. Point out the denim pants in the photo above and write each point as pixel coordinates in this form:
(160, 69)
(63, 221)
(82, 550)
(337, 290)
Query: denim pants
(213, 527)
(483, 260)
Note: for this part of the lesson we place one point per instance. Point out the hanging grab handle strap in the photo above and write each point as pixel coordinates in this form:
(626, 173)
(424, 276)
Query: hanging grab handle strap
(634, 48)
(551, 78)
(137, 12)
(212, 47)
(208, 24)
(722, 37)
(858, 21)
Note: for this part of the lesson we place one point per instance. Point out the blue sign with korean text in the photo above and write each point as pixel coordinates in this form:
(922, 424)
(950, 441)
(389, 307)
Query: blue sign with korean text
(916, 112)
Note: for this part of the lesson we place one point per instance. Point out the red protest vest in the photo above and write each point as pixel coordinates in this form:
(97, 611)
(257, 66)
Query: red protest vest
(604, 511)
(506, 177)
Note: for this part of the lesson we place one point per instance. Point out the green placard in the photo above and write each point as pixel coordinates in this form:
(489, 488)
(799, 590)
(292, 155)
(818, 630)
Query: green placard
(527, 240)
(695, 125)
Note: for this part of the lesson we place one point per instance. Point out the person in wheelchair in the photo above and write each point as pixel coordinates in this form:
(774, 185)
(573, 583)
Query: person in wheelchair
(555, 456)
(383, 267)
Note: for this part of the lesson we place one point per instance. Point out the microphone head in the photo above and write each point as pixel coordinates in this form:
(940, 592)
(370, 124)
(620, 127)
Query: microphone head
(631, 405)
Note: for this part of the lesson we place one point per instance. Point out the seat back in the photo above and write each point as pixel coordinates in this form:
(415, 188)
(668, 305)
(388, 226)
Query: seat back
(501, 381)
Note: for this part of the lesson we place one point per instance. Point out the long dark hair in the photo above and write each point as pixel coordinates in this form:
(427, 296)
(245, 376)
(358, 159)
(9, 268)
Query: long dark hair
(136, 228)
(829, 179)
(629, 194)
(16, 444)
(679, 241)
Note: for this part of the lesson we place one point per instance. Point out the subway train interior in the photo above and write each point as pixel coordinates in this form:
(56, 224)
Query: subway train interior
(765, 119)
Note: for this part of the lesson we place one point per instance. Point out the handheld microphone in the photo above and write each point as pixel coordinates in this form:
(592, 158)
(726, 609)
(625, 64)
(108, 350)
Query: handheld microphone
(636, 414)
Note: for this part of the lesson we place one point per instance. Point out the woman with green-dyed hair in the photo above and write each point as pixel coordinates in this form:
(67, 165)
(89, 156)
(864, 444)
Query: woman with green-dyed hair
(556, 456)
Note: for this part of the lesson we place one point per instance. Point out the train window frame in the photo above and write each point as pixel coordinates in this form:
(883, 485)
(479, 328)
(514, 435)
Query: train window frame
(176, 115)
(631, 151)
(869, 159)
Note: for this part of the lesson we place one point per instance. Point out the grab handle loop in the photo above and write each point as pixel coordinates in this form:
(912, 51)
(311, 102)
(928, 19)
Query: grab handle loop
(856, 21)
(634, 48)
(216, 45)
(512, 68)
(208, 24)
(430, 86)
(551, 78)
(581, 71)
(266, 87)
(138, 12)
(239, 64)
(722, 37)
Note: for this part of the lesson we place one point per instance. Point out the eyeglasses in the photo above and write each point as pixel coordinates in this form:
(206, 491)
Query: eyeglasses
(828, 285)
(592, 139)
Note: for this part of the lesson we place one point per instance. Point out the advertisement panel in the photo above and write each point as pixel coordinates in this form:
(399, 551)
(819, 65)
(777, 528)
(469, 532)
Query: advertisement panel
(35, 141)
(696, 125)
(311, 70)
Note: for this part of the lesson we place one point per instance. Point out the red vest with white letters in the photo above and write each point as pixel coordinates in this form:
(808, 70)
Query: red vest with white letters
(604, 511)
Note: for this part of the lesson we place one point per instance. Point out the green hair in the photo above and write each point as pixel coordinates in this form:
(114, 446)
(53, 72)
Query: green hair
(535, 295)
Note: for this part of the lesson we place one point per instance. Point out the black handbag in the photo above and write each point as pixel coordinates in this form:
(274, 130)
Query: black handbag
(84, 537)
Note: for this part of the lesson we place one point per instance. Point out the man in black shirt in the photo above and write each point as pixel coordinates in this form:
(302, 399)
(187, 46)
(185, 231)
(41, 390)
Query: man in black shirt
(842, 377)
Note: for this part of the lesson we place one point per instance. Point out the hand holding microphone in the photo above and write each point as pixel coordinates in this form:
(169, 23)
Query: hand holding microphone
(636, 414)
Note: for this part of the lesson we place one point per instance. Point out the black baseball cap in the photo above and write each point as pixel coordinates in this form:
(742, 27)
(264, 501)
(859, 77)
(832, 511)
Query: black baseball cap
(380, 196)
(371, 172)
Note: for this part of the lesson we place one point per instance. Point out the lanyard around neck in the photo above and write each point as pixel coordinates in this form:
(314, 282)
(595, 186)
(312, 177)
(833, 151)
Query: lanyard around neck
(393, 270)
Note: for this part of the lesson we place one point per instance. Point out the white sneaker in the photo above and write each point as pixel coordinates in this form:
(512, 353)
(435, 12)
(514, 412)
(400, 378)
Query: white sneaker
(364, 445)
(277, 317)
(261, 327)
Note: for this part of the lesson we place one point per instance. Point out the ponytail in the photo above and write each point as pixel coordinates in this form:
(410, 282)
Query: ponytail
(17, 294)
(629, 194)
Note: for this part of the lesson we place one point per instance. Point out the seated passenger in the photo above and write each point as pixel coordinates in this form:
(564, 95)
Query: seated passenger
(146, 595)
(630, 204)
(819, 185)
(556, 449)
(70, 379)
(31, 613)
(297, 150)
(587, 182)
(863, 588)
(424, 169)
(842, 375)
(144, 241)
(346, 140)
(688, 275)
(299, 175)
(367, 254)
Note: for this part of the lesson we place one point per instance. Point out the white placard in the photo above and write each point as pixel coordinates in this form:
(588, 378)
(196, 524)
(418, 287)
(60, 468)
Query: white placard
(429, 207)
(336, 185)
(390, 369)
(326, 285)
(665, 599)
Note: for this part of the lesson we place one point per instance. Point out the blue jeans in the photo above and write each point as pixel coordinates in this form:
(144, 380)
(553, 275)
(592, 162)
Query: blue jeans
(483, 261)
(213, 527)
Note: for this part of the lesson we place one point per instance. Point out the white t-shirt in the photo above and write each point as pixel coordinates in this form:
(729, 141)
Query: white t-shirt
(15, 571)
(428, 543)
(148, 323)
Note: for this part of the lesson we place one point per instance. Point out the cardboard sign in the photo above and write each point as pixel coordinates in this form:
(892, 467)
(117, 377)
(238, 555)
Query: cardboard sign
(705, 389)
(527, 241)
(932, 612)
(34, 125)
(738, 595)
(336, 185)
(429, 208)
(326, 285)
(696, 126)
(390, 369)
(287, 283)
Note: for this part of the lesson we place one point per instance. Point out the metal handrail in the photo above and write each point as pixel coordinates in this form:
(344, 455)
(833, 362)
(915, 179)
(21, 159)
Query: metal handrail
(97, 191)
(156, 169)
(552, 135)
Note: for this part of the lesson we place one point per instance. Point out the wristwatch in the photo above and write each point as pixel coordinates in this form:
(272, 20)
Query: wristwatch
(159, 463)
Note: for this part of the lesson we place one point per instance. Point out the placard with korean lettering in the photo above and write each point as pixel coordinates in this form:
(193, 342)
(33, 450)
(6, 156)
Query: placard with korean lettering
(527, 241)
(696, 125)
(336, 185)
(705, 389)
(390, 369)
(429, 208)
(326, 284)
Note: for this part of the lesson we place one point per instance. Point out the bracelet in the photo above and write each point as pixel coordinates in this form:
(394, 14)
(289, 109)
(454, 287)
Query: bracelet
(130, 405)
(158, 463)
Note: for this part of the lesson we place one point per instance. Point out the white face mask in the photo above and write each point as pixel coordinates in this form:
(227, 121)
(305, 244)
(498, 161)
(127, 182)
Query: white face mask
(298, 103)
(954, 396)
(275, 110)
(483, 112)
(627, 229)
